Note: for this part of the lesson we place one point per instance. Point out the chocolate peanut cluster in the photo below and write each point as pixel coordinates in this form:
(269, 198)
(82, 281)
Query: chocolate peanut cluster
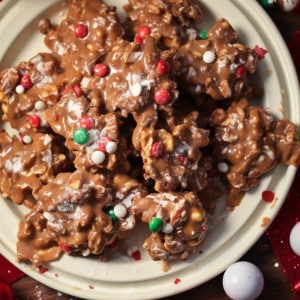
(133, 122)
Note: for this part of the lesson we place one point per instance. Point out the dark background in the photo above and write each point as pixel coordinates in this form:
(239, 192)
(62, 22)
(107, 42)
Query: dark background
(261, 254)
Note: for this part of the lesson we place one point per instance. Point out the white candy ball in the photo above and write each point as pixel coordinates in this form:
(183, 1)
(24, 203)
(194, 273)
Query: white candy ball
(20, 89)
(243, 281)
(223, 167)
(289, 5)
(40, 105)
(98, 157)
(209, 57)
(120, 210)
(111, 147)
(295, 239)
(167, 229)
(27, 139)
(136, 89)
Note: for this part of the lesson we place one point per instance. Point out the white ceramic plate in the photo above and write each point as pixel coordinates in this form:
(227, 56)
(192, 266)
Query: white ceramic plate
(124, 278)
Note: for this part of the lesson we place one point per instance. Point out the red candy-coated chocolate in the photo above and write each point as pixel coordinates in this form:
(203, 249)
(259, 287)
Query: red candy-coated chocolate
(34, 121)
(87, 123)
(103, 142)
(268, 196)
(26, 82)
(77, 90)
(183, 160)
(43, 270)
(162, 96)
(260, 52)
(157, 149)
(138, 40)
(81, 31)
(241, 72)
(163, 67)
(136, 255)
(6, 291)
(100, 70)
(63, 247)
(68, 89)
(114, 244)
(143, 32)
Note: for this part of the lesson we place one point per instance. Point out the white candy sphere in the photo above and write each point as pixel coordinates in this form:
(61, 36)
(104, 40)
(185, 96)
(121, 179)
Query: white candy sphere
(209, 57)
(289, 5)
(120, 210)
(136, 89)
(27, 139)
(223, 167)
(40, 105)
(295, 239)
(111, 147)
(98, 157)
(167, 229)
(20, 89)
(243, 281)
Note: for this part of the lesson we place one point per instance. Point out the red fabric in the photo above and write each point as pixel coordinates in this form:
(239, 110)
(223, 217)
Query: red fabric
(9, 272)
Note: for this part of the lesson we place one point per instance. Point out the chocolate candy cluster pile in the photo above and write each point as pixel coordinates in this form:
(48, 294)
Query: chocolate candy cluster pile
(133, 122)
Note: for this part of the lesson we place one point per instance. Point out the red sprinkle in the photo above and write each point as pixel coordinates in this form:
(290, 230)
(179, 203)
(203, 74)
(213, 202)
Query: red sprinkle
(100, 70)
(114, 244)
(232, 209)
(68, 89)
(163, 67)
(136, 255)
(77, 90)
(200, 252)
(260, 52)
(42, 270)
(138, 40)
(63, 247)
(241, 72)
(143, 32)
(81, 31)
(87, 123)
(56, 275)
(183, 160)
(204, 228)
(55, 117)
(268, 196)
(34, 121)
(26, 82)
(91, 287)
(213, 172)
(176, 281)
(103, 142)
(184, 259)
(162, 96)
(157, 149)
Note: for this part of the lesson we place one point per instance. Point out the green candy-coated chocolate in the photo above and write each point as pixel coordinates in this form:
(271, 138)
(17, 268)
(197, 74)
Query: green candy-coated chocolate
(203, 34)
(81, 136)
(110, 211)
(267, 3)
(156, 224)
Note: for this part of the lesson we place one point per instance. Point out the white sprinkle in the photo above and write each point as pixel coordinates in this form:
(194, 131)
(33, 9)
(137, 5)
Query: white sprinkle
(27, 139)
(111, 147)
(223, 167)
(98, 157)
(136, 89)
(40, 105)
(59, 294)
(209, 57)
(129, 251)
(135, 248)
(167, 229)
(120, 210)
(20, 89)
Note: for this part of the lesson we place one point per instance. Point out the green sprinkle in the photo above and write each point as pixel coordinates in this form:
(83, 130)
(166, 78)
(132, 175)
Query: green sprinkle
(203, 34)
(110, 211)
(81, 136)
(156, 224)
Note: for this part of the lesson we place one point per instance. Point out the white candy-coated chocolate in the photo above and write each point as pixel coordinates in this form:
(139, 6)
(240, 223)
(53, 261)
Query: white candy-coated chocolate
(98, 157)
(120, 210)
(111, 147)
(167, 229)
(209, 57)
(136, 89)
(40, 105)
(20, 89)
(223, 167)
